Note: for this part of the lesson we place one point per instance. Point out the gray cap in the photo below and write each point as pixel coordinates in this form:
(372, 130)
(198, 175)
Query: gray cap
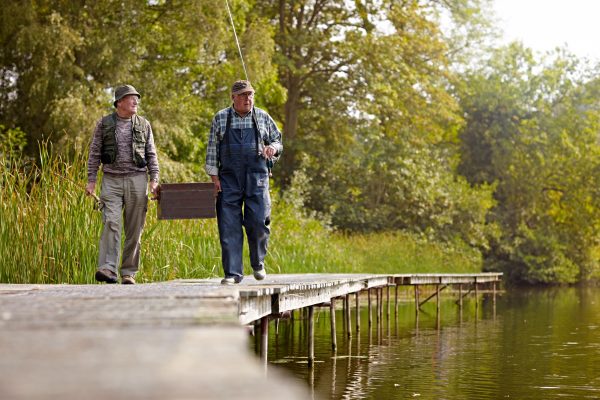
(123, 91)
(241, 87)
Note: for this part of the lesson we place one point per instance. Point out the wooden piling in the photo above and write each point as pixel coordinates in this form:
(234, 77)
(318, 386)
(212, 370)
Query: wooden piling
(417, 299)
(377, 304)
(357, 299)
(264, 337)
(396, 303)
(332, 321)
(476, 297)
(311, 337)
(387, 298)
(348, 318)
(437, 299)
(369, 306)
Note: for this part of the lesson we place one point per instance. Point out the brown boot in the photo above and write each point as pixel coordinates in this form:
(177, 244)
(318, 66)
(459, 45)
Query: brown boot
(127, 280)
(106, 275)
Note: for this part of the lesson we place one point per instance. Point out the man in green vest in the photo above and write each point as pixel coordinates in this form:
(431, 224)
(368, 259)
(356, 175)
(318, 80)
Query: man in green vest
(124, 145)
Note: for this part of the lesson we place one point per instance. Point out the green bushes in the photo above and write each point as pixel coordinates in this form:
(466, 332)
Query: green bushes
(49, 233)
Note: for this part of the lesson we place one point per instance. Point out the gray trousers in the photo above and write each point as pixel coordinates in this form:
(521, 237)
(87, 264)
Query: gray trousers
(124, 198)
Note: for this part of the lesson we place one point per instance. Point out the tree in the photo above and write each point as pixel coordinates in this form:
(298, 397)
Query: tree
(61, 60)
(531, 129)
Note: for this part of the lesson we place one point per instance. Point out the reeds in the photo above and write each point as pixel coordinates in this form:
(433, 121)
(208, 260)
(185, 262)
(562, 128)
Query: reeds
(49, 232)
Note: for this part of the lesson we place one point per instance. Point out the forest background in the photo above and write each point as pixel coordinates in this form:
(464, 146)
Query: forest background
(410, 136)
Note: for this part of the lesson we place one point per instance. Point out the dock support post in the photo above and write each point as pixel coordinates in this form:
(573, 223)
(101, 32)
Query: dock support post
(381, 305)
(311, 337)
(332, 320)
(396, 303)
(370, 311)
(387, 298)
(437, 299)
(476, 297)
(460, 301)
(494, 298)
(264, 337)
(357, 299)
(417, 299)
(377, 306)
(348, 316)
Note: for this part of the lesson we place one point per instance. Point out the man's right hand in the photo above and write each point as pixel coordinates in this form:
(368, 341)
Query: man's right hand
(90, 188)
(217, 184)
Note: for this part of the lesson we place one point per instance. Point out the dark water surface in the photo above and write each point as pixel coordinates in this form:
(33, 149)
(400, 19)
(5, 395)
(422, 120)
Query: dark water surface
(537, 344)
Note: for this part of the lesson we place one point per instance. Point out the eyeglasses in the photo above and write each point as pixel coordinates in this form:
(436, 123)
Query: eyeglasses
(246, 94)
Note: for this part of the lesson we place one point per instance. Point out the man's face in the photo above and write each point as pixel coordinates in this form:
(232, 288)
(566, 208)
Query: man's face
(243, 102)
(128, 105)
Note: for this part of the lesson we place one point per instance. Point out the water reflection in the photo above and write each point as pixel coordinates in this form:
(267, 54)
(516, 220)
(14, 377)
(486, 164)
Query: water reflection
(529, 344)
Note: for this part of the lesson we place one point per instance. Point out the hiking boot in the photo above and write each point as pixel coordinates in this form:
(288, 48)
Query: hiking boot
(106, 275)
(260, 274)
(127, 280)
(231, 280)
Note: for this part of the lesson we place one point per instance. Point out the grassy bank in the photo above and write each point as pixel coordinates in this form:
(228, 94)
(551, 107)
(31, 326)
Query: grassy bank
(49, 233)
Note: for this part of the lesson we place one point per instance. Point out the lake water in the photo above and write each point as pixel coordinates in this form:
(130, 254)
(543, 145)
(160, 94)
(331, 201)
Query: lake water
(535, 344)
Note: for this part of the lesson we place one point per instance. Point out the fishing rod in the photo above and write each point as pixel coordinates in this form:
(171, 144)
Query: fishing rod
(236, 39)
(237, 42)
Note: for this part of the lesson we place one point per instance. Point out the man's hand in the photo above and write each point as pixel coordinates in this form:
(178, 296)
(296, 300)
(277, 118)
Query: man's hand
(269, 152)
(217, 183)
(154, 190)
(90, 188)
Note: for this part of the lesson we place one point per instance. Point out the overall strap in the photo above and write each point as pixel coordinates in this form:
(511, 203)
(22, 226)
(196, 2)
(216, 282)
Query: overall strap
(256, 130)
(227, 126)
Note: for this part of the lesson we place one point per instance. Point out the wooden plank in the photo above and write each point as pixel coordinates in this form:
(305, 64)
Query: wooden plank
(186, 201)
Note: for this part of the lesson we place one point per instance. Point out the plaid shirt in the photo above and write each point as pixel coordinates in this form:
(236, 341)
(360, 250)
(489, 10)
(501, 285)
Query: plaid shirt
(266, 126)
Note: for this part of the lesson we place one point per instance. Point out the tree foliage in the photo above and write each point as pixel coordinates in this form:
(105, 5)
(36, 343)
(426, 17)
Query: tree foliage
(60, 61)
(532, 129)
(396, 116)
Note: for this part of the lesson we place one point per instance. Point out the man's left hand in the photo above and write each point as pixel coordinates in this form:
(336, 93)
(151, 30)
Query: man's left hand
(269, 152)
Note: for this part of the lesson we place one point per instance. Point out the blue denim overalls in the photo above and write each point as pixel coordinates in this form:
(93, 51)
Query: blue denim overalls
(244, 180)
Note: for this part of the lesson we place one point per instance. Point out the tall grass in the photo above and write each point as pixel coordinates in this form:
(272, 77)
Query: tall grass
(49, 232)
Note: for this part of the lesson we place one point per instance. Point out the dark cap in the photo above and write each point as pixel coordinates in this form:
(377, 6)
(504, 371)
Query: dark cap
(241, 87)
(123, 91)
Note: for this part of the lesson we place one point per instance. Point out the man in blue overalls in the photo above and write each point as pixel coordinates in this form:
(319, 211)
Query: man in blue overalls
(242, 145)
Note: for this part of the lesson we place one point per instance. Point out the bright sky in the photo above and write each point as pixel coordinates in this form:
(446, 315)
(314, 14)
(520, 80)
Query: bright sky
(545, 24)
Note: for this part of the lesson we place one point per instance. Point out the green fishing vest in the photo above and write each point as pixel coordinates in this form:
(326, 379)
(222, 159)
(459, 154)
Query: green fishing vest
(139, 130)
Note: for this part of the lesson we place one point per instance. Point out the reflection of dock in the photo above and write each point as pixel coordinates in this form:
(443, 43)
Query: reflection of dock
(178, 339)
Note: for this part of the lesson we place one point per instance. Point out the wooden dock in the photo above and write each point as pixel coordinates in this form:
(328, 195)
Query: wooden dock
(179, 339)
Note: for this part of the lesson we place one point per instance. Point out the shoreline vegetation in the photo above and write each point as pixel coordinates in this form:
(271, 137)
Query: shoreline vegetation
(49, 233)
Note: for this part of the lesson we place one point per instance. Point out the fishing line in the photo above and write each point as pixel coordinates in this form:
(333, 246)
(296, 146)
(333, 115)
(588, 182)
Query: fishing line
(236, 39)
